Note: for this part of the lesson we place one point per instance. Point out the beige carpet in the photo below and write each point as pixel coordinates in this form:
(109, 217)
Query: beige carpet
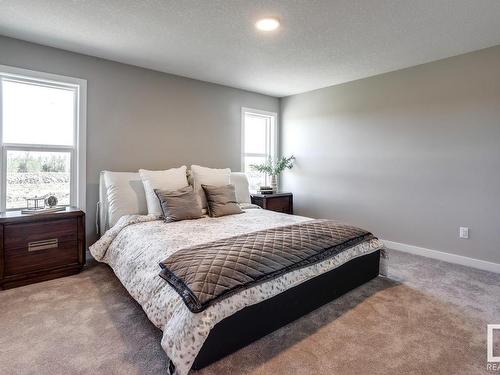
(428, 317)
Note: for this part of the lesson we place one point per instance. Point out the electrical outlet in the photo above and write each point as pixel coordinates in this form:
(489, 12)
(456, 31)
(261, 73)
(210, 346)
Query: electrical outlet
(464, 232)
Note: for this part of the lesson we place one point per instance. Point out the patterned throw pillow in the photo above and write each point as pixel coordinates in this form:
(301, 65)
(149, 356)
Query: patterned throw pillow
(182, 204)
(221, 200)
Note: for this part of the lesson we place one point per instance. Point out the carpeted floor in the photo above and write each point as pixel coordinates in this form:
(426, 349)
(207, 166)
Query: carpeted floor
(427, 317)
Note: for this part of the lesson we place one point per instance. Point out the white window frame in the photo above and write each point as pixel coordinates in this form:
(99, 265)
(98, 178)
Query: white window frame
(273, 152)
(77, 151)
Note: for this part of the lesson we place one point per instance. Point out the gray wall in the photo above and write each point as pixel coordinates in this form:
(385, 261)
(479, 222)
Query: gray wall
(138, 118)
(411, 155)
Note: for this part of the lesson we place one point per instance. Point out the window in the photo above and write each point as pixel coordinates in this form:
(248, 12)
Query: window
(259, 142)
(42, 137)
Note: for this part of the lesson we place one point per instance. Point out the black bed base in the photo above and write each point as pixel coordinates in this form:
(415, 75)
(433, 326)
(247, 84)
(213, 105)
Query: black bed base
(256, 321)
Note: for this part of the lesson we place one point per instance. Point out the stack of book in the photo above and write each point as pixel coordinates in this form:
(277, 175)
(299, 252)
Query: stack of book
(44, 210)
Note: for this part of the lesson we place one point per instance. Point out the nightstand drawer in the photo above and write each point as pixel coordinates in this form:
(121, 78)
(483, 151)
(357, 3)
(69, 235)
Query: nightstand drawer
(36, 248)
(279, 204)
(40, 255)
(31, 235)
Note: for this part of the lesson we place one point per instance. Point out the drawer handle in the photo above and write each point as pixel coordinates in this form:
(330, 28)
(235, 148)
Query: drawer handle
(42, 245)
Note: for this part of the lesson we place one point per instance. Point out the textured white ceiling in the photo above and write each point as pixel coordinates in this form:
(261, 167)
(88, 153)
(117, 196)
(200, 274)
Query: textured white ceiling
(320, 43)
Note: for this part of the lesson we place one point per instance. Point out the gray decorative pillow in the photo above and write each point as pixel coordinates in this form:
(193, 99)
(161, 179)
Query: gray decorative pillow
(221, 200)
(182, 204)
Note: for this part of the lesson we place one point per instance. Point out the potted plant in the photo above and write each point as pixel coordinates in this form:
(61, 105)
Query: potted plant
(274, 167)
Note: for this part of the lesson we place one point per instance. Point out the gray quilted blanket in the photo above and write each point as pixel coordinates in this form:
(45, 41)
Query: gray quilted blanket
(210, 272)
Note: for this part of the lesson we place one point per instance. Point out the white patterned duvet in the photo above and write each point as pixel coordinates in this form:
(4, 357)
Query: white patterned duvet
(136, 244)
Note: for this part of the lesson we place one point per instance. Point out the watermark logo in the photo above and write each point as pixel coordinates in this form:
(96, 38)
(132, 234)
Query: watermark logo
(493, 360)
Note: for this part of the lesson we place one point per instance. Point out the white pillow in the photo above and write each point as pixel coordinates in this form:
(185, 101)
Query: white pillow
(240, 182)
(170, 179)
(208, 176)
(125, 195)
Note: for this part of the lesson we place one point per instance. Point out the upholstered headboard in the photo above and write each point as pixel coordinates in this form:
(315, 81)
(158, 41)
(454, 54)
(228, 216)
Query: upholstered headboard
(102, 207)
(126, 188)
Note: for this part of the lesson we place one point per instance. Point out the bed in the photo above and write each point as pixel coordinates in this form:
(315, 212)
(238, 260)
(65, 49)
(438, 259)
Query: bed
(136, 244)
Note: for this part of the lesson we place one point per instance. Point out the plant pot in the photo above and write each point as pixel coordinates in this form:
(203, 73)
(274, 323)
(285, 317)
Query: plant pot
(274, 183)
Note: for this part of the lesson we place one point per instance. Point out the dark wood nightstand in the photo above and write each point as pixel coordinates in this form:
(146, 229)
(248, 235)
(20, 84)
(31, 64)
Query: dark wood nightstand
(40, 247)
(279, 202)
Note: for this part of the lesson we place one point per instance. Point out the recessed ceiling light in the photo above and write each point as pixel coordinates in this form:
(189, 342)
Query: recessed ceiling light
(267, 24)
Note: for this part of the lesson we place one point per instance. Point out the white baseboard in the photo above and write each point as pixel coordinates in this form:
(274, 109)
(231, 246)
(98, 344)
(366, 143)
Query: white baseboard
(447, 257)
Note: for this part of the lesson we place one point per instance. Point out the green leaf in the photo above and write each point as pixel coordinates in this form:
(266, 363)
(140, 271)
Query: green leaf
(274, 167)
